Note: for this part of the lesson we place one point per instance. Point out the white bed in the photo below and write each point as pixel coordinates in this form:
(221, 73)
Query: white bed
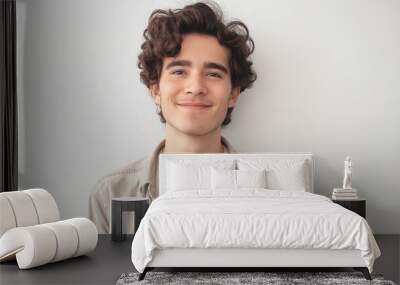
(201, 219)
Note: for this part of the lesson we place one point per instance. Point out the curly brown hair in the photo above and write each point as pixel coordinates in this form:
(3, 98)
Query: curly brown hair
(164, 34)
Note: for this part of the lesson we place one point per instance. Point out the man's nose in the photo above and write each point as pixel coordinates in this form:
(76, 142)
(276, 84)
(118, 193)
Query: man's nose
(196, 85)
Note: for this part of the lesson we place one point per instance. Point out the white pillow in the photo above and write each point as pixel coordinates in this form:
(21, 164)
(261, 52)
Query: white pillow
(223, 179)
(188, 175)
(236, 179)
(282, 174)
(251, 178)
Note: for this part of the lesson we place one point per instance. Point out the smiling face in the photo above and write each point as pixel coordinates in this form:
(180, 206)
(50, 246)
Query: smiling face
(195, 88)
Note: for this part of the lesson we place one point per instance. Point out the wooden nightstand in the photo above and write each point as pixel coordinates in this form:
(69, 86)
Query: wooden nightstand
(358, 206)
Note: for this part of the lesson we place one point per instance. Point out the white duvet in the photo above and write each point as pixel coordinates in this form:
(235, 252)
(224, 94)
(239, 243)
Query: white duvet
(250, 218)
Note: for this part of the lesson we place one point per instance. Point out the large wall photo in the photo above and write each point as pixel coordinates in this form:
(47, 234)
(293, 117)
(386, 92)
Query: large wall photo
(328, 83)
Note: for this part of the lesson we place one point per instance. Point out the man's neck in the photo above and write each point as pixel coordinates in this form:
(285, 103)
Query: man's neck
(176, 142)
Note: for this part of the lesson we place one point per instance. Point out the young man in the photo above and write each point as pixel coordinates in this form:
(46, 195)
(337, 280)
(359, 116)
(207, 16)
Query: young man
(195, 67)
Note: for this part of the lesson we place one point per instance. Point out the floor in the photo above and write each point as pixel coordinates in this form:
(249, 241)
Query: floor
(111, 259)
(388, 263)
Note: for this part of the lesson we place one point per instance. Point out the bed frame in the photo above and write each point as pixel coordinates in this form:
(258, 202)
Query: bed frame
(248, 259)
(261, 259)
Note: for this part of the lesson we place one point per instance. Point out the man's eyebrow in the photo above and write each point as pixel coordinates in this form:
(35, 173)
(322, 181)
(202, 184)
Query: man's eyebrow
(178, 63)
(214, 65)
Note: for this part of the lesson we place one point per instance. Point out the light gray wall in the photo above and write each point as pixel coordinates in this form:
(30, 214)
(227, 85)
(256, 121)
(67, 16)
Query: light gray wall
(329, 83)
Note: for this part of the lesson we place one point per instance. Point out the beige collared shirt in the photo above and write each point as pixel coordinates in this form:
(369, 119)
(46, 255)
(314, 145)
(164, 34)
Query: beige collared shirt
(138, 179)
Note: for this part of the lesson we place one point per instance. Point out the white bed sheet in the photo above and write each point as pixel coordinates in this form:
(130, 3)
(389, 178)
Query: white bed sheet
(250, 218)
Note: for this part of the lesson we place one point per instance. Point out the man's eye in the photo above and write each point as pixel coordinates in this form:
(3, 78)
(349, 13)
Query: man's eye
(214, 74)
(178, 72)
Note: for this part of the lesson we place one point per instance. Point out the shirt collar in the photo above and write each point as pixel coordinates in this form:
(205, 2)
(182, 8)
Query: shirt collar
(151, 167)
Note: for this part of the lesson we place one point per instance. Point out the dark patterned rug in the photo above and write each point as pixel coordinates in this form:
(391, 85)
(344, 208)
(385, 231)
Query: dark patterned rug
(270, 278)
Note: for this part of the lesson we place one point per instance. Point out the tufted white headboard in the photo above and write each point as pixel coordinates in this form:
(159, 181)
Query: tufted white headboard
(213, 158)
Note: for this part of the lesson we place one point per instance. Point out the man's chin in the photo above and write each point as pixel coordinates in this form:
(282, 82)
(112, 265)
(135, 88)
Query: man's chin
(195, 130)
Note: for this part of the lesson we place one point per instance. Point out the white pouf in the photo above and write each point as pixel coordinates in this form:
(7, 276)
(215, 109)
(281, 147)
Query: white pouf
(30, 230)
(40, 244)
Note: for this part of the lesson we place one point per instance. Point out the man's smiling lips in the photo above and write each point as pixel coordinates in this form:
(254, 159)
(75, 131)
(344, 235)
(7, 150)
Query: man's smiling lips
(194, 106)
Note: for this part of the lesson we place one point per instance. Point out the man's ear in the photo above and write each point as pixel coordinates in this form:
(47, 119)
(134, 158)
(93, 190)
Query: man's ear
(155, 93)
(234, 97)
